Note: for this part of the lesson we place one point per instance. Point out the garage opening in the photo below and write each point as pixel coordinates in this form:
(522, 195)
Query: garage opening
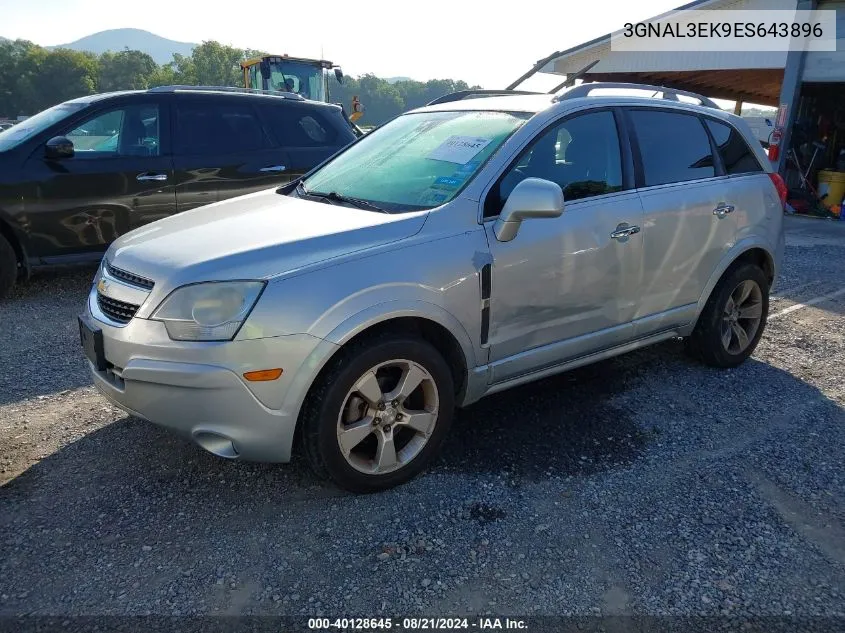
(815, 173)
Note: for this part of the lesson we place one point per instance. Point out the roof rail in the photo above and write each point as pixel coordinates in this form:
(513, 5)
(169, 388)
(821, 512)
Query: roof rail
(671, 94)
(254, 91)
(475, 94)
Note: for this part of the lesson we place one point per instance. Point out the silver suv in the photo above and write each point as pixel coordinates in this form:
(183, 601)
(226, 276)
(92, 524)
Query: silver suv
(461, 249)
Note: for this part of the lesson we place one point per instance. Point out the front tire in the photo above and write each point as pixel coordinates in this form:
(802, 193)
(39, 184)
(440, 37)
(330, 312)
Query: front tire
(733, 319)
(377, 416)
(8, 267)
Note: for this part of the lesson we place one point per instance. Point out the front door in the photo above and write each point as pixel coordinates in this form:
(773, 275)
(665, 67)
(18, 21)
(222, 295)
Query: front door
(119, 178)
(568, 286)
(221, 150)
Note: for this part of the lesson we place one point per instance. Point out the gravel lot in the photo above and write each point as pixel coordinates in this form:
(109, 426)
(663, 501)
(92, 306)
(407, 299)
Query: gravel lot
(646, 485)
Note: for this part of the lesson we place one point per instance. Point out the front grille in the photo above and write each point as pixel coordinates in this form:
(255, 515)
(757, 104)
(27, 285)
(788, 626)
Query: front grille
(118, 311)
(130, 278)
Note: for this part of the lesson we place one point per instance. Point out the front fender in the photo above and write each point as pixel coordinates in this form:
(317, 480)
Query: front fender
(361, 321)
(395, 309)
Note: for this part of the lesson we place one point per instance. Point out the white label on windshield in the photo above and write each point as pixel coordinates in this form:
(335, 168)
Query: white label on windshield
(459, 149)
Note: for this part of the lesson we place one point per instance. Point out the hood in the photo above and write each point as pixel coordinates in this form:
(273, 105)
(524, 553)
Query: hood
(256, 236)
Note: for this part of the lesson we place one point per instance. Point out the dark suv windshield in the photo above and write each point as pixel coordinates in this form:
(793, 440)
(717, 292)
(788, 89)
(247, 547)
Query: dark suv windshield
(28, 128)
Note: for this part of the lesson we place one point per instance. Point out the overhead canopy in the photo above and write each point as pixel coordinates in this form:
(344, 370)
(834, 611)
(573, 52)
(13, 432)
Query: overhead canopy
(761, 85)
(753, 77)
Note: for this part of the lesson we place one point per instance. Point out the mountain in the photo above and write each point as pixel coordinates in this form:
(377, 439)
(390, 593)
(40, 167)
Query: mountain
(159, 48)
(393, 80)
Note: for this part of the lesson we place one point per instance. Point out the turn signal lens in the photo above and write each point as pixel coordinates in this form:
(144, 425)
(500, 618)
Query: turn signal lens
(263, 375)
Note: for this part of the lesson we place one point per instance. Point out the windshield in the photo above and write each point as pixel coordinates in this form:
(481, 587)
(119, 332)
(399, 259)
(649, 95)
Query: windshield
(301, 78)
(417, 161)
(28, 128)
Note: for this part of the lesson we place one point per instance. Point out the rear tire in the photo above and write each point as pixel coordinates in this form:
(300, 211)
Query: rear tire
(8, 267)
(366, 426)
(733, 319)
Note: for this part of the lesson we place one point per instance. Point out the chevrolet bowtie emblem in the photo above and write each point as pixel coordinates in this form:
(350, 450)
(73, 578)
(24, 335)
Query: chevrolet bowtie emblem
(101, 286)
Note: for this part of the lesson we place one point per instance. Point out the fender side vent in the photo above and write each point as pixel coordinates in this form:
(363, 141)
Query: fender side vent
(486, 277)
(486, 288)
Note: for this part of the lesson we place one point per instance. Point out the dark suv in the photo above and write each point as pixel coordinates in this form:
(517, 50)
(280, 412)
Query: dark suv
(78, 175)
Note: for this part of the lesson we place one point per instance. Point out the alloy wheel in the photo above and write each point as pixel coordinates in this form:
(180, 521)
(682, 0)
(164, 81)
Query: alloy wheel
(388, 417)
(742, 317)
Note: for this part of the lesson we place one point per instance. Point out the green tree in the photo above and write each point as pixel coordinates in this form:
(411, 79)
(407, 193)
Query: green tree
(18, 72)
(163, 76)
(217, 65)
(32, 78)
(66, 74)
(126, 70)
(183, 71)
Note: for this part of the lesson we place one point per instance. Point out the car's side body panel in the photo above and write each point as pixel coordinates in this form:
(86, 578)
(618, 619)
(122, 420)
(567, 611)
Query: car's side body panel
(563, 293)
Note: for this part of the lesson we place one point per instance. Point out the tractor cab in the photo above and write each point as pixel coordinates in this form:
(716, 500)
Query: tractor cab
(306, 77)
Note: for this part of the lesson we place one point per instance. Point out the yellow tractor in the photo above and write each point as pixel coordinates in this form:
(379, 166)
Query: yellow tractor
(306, 77)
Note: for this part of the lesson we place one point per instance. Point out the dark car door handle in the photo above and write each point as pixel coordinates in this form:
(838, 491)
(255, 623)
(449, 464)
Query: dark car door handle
(146, 176)
(273, 168)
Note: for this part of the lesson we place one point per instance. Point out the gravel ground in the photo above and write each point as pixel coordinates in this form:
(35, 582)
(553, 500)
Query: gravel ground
(642, 485)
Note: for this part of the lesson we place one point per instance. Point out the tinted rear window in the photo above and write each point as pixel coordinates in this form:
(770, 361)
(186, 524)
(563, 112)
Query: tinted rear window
(674, 147)
(209, 128)
(294, 126)
(736, 155)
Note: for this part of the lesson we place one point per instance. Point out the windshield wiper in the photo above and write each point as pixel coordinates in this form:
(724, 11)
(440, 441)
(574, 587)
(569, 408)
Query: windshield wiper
(334, 196)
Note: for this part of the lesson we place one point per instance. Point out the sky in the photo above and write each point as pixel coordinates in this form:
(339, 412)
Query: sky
(489, 43)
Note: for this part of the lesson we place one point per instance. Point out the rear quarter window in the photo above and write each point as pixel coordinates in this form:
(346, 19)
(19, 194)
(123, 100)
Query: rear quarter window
(737, 157)
(294, 126)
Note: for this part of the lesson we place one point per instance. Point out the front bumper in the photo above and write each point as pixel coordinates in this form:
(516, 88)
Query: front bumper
(198, 389)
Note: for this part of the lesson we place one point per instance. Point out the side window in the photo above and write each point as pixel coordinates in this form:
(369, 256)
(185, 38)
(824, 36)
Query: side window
(736, 155)
(674, 147)
(217, 129)
(128, 131)
(295, 126)
(581, 155)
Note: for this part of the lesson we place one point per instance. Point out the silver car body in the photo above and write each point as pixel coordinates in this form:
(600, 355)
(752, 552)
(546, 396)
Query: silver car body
(563, 293)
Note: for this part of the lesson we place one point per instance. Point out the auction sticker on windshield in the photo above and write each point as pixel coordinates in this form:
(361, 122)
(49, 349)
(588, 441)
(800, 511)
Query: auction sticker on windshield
(459, 149)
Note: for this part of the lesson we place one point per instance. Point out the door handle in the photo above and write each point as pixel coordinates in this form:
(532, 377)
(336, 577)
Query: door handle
(273, 168)
(722, 210)
(146, 177)
(624, 230)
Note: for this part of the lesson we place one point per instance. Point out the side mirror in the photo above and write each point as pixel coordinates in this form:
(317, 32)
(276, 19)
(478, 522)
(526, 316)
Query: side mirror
(264, 67)
(58, 147)
(338, 73)
(532, 198)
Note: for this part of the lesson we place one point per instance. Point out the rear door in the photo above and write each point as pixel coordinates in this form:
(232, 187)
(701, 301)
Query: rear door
(744, 178)
(308, 133)
(120, 177)
(683, 195)
(222, 150)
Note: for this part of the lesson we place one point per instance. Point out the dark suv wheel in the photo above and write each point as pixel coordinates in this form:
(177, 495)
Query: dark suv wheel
(733, 319)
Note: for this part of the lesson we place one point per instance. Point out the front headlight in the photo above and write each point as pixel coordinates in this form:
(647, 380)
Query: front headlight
(210, 311)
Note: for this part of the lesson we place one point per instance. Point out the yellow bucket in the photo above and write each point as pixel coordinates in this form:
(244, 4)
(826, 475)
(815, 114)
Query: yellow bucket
(832, 183)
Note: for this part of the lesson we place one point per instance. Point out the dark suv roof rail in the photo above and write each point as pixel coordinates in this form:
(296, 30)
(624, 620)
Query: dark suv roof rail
(671, 94)
(254, 91)
(474, 94)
